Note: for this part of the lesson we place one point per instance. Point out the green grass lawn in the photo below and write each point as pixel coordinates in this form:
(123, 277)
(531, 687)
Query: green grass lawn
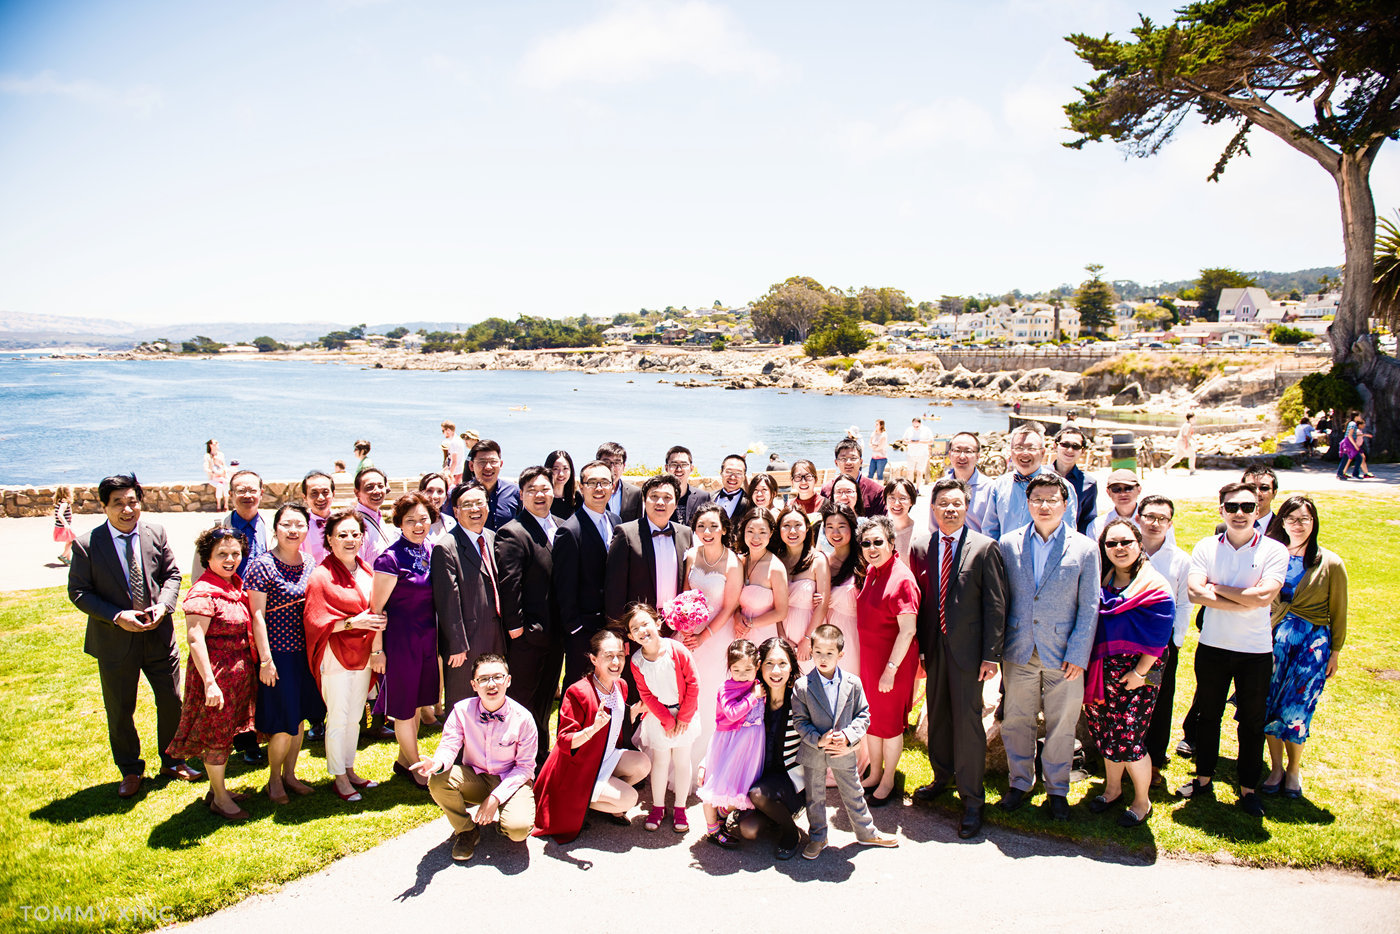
(69, 841)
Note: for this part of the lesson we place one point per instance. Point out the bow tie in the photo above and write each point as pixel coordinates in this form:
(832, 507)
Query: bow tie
(668, 532)
(487, 716)
(725, 495)
(1023, 480)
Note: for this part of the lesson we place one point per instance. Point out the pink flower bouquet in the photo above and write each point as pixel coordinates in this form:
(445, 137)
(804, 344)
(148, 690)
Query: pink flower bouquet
(687, 613)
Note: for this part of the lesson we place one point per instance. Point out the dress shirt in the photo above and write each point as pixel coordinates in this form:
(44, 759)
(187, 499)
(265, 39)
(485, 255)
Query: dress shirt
(119, 541)
(831, 686)
(728, 501)
(664, 547)
(1175, 565)
(503, 747)
(1009, 509)
(551, 528)
(1040, 550)
(503, 501)
(316, 538)
(615, 501)
(601, 523)
(255, 531)
(376, 538)
(979, 497)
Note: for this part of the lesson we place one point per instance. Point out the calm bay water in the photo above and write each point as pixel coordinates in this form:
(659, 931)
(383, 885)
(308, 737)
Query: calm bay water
(74, 421)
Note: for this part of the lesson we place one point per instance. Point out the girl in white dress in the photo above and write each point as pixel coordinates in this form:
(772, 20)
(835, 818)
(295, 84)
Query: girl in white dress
(665, 674)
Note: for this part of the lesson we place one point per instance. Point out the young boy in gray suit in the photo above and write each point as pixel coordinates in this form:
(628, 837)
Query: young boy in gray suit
(831, 714)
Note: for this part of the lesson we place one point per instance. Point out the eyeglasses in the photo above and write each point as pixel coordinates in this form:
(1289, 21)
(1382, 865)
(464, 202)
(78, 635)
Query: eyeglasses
(596, 484)
(1303, 519)
(733, 472)
(1027, 448)
(678, 465)
(1154, 518)
(803, 477)
(1071, 446)
(1047, 503)
(486, 462)
(848, 459)
(964, 451)
(1245, 508)
(1120, 543)
(488, 680)
(872, 542)
(1122, 488)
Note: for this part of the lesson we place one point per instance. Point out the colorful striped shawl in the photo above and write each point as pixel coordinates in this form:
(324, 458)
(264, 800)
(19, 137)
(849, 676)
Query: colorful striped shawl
(1136, 621)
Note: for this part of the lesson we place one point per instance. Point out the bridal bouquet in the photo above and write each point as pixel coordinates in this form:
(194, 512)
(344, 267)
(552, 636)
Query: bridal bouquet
(687, 613)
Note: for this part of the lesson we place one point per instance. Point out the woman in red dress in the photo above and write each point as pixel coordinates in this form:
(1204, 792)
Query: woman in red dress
(887, 610)
(221, 676)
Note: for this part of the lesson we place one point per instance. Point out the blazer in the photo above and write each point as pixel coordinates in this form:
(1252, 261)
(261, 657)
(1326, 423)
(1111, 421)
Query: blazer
(525, 580)
(689, 504)
(1059, 616)
(462, 596)
(977, 597)
(631, 568)
(744, 505)
(813, 717)
(98, 587)
(631, 508)
(580, 567)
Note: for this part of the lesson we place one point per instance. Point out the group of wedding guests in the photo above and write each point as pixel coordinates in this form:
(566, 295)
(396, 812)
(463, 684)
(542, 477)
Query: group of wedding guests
(756, 650)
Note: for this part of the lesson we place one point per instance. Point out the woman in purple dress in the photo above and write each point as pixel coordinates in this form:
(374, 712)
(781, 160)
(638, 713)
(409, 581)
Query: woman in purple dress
(407, 653)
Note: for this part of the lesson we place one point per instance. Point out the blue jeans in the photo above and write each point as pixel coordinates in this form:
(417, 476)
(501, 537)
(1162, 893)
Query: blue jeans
(877, 467)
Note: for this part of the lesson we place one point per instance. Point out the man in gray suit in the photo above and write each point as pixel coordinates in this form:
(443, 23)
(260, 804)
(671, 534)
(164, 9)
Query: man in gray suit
(464, 593)
(962, 618)
(1054, 577)
(125, 579)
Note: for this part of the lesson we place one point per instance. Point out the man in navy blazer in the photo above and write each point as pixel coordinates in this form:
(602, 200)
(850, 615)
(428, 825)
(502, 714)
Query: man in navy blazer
(580, 567)
(125, 579)
(1053, 573)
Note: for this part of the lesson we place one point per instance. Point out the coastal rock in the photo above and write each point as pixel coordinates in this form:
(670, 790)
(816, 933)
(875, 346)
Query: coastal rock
(885, 376)
(1129, 394)
(854, 373)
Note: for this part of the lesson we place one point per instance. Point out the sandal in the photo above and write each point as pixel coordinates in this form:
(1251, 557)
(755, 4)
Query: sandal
(722, 839)
(654, 818)
(679, 821)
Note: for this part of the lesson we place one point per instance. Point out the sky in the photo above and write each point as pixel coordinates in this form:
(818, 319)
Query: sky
(397, 160)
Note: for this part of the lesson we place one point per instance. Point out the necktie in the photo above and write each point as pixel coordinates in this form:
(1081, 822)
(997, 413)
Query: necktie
(945, 569)
(135, 580)
(490, 572)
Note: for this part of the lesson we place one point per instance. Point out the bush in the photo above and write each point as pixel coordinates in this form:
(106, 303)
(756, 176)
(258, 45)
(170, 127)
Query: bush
(1283, 462)
(1283, 334)
(1290, 407)
(1322, 391)
(842, 339)
(718, 344)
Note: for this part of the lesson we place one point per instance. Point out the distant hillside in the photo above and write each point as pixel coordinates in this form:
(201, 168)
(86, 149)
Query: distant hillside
(1275, 283)
(19, 330)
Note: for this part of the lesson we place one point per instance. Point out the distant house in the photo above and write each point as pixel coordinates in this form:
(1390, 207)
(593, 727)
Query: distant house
(1319, 306)
(1244, 305)
(617, 334)
(238, 348)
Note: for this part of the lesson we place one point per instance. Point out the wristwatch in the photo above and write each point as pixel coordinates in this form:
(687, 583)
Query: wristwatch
(347, 623)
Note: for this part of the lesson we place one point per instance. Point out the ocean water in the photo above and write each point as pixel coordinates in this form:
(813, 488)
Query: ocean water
(75, 421)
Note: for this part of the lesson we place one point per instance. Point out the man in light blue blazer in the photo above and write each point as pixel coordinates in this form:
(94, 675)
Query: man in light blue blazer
(1006, 509)
(1053, 573)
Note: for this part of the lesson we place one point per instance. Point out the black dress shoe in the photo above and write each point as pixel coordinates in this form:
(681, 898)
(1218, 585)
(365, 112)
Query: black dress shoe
(971, 824)
(255, 757)
(876, 801)
(316, 733)
(930, 792)
(788, 852)
(1100, 803)
(1059, 807)
(1013, 799)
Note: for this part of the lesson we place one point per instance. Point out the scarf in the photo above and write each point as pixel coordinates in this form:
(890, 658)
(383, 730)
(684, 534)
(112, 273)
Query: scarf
(1137, 621)
(331, 598)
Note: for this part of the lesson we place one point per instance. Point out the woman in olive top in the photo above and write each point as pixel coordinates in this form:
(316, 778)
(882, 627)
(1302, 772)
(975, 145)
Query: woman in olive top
(1310, 625)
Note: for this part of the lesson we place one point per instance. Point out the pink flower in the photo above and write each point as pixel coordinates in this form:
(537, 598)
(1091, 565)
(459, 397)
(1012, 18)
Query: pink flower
(689, 612)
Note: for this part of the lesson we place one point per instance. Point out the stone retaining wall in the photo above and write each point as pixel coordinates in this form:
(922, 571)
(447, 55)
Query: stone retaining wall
(22, 502)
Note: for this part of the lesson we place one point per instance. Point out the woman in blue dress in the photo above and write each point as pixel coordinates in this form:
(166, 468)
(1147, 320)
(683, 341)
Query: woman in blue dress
(287, 693)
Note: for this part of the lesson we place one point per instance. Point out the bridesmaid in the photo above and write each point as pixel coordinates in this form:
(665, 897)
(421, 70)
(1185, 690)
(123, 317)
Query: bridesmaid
(809, 582)
(839, 527)
(763, 603)
(846, 492)
(714, 570)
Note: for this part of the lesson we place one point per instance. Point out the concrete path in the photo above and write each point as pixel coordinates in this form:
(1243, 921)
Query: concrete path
(28, 553)
(621, 880)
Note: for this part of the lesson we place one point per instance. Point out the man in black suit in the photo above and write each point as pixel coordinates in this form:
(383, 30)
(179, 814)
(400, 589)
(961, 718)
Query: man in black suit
(626, 498)
(734, 476)
(125, 579)
(580, 567)
(463, 576)
(962, 621)
(646, 557)
(529, 609)
(679, 464)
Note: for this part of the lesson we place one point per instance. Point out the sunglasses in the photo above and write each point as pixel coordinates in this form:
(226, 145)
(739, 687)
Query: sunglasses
(1122, 488)
(872, 542)
(1245, 508)
(1120, 543)
(1071, 446)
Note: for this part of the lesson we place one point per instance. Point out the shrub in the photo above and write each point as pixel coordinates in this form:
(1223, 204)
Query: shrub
(1290, 407)
(1323, 391)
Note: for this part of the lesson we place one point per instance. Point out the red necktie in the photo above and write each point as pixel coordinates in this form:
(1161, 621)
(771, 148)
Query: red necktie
(945, 568)
(490, 572)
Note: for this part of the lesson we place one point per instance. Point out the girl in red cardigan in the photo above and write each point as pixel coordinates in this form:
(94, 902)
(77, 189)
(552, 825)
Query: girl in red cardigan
(665, 674)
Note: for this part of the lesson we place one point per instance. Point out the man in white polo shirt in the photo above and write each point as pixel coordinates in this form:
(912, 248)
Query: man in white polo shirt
(1235, 575)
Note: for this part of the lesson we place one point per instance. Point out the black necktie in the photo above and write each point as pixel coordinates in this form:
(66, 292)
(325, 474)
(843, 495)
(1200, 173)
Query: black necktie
(135, 580)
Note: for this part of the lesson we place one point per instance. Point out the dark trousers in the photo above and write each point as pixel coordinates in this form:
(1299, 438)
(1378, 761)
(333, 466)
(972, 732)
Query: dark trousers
(120, 681)
(576, 663)
(1159, 730)
(773, 808)
(957, 741)
(1251, 673)
(457, 682)
(534, 677)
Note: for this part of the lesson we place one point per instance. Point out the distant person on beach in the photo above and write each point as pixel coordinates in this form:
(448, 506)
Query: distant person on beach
(1184, 448)
(63, 523)
(217, 472)
(362, 452)
(964, 449)
(848, 463)
(502, 496)
(917, 445)
(125, 579)
(776, 463)
(456, 452)
(1070, 445)
(879, 451)
(341, 476)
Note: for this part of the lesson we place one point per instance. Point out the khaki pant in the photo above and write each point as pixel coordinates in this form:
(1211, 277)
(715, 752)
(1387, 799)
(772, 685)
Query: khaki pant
(458, 788)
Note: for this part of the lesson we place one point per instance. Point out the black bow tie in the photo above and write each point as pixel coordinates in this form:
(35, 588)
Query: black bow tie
(487, 716)
(725, 495)
(668, 532)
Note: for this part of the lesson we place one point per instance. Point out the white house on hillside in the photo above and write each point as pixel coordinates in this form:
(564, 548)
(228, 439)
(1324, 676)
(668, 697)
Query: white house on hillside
(1245, 305)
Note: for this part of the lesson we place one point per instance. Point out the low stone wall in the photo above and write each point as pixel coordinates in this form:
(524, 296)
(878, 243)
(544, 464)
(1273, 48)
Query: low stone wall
(21, 502)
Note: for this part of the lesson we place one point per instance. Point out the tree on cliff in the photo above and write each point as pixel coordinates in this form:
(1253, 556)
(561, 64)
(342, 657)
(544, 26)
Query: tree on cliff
(1094, 301)
(1253, 63)
(789, 309)
(1209, 286)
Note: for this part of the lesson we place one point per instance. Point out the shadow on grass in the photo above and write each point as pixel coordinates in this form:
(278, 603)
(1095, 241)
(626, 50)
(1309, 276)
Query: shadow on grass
(1283, 810)
(85, 803)
(1221, 819)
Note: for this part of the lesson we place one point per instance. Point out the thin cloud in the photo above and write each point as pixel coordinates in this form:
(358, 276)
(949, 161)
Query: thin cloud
(141, 100)
(638, 38)
(950, 122)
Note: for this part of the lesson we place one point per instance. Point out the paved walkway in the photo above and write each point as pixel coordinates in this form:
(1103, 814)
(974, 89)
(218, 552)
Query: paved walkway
(621, 880)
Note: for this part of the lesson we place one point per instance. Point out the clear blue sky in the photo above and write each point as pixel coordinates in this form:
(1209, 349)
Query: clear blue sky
(353, 160)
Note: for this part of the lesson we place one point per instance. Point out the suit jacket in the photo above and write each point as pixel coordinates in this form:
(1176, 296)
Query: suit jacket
(525, 579)
(197, 567)
(462, 597)
(977, 596)
(631, 568)
(98, 587)
(813, 717)
(1058, 616)
(689, 504)
(745, 504)
(580, 568)
(631, 508)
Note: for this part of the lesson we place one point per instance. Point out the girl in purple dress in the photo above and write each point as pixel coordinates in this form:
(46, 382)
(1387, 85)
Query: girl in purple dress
(735, 758)
(406, 651)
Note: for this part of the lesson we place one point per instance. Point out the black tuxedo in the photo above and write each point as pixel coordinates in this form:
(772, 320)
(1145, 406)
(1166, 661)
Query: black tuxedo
(975, 615)
(464, 599)
(98, 586)
(631, 568)
(740, 510)
(580, 567)
(528, 603)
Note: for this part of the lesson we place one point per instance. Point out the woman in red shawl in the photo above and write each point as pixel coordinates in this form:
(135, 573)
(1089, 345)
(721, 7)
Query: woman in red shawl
(1125, 666)
(586, 768)
(342, 640)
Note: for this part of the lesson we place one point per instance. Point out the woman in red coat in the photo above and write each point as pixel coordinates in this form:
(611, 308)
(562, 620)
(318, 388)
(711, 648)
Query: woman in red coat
(586, 768)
